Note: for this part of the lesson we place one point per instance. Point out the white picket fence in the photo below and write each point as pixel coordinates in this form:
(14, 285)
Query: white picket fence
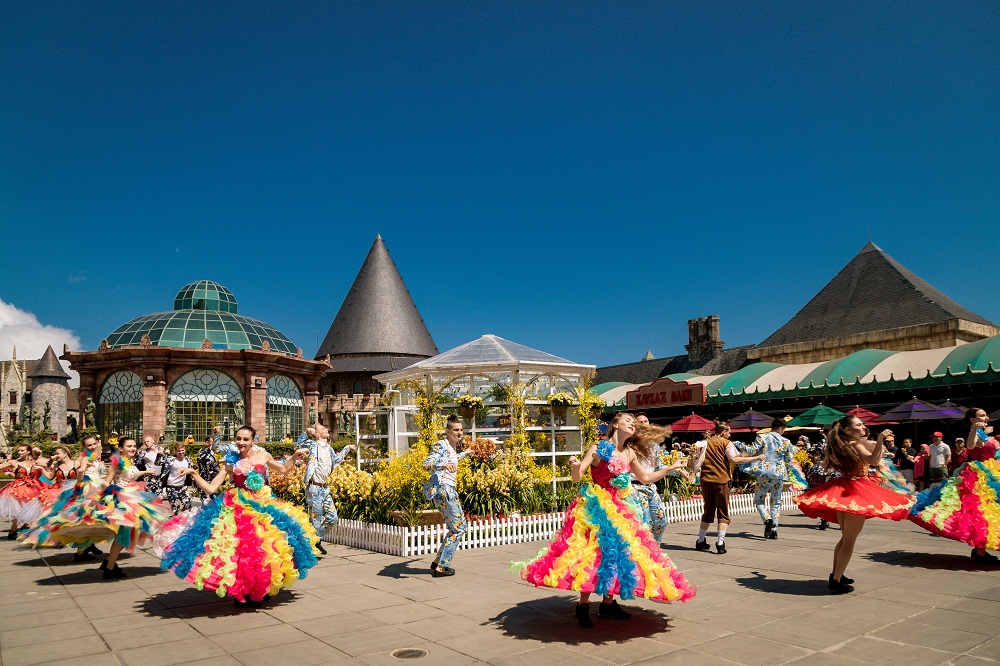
(424, 539)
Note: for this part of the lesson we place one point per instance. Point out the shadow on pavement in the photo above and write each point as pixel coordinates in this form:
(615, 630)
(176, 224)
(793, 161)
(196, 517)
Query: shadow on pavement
(551, 620)
(406, 569)
(94, 575)
(192, 603)
(929, 561)
(52, 557)
(802, 588)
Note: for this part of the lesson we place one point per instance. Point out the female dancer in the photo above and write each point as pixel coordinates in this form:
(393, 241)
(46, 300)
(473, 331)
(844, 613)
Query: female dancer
(128, 512)
(964, 507)
(19, 498)
(61, 468)
(243, 542)
(854, 497)
(603, 546)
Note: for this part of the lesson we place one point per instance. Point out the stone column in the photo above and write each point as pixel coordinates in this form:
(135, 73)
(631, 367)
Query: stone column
(154, 404)
(257, 404)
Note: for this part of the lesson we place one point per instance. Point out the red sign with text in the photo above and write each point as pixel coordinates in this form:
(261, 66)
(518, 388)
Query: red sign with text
(665, 392)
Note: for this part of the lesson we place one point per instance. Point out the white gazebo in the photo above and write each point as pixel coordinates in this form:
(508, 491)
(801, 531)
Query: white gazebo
(489, 368)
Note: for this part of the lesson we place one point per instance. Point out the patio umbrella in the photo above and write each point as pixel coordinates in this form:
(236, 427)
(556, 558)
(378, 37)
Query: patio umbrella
(949, 405)
(817, 416)
(750, 420)
(865, 415)
(995, 415)
(917, 410)
(692, 423)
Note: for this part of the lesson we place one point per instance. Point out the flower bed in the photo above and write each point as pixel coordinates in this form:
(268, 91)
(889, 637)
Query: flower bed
(485, 533)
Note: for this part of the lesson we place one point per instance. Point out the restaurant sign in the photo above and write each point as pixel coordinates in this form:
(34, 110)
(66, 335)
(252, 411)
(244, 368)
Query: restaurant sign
(665, 392)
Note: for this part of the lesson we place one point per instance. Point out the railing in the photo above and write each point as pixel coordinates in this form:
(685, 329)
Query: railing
(425, 539)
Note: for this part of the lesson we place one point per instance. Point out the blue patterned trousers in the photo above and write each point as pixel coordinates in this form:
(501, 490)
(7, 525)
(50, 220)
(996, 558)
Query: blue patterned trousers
(767, 497)
(654, 513)
(446, 501)
(322, 512)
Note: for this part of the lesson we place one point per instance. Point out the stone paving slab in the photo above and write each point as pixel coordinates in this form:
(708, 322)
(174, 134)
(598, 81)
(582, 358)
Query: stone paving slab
(919, 600)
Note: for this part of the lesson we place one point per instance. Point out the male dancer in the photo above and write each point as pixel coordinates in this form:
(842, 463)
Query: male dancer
(322, 460)
(654, 513)
(771, 474)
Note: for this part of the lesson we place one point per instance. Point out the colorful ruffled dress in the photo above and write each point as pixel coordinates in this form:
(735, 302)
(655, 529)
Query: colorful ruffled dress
(856, 493)
(50, 495)
(243, 542)
(603, 546)
(964, 507)
(19, 498)
(48, 529)
(123, 511)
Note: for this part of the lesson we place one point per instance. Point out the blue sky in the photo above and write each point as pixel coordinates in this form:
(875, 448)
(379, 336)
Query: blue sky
(579, 177)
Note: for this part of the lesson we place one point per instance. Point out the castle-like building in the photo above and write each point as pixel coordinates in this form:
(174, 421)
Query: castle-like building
(36, 396)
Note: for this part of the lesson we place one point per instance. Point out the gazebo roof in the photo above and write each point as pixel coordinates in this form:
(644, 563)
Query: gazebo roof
(489, 353)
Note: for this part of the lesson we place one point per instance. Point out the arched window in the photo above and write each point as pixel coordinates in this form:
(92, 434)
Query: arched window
(284, 408)
(356, 388)
(201, 399)
(119, 405)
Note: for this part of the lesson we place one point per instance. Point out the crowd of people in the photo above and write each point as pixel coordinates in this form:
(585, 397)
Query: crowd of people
(215, 524)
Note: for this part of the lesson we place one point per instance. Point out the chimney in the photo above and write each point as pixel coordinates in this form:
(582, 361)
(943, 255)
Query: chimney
(703, 339)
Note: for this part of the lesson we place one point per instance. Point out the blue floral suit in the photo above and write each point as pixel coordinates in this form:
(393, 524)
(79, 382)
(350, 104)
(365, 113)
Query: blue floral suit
(322, 511)
(445, 499)
(771, 473)
(648, 496)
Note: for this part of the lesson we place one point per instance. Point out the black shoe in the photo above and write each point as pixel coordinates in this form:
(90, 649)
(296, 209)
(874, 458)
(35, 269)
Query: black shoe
(720, 547)
(583, 616)
(434, 566)
(12, 535)
(988, 558)
(110, 574)
(823, 524)
(612, 610)
(320, 548)
(93, 550)
(104, 566)
(83, 557)
(838, 587)
(774, 534)
(846, 581)
(702, 544)
(768, 528)
(448, 571)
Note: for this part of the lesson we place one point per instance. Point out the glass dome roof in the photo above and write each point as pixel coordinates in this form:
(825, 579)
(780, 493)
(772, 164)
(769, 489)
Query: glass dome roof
(202, 309)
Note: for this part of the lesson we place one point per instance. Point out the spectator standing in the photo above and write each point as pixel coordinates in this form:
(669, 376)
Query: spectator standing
(907, 454)
(889, 448)
(959, 455)
(940, 456)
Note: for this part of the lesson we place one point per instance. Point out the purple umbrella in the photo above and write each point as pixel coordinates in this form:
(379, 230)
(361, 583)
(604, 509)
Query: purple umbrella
(751, 420)
(918, 410)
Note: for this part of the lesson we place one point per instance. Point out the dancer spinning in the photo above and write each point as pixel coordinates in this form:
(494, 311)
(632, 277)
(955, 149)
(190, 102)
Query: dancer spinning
(654, 514)
(964, 507)
(771, 473)
(603, 546)
(61, 468)
(243, 543)
(19, 498)
(322, 460)
(854, 497)
(440, 489)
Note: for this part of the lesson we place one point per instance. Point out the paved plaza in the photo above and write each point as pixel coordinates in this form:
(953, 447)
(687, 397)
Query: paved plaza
(920, 600)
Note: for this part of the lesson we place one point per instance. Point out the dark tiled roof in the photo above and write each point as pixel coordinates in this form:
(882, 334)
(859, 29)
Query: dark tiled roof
(644, 372)
(372, 364)
(871, 293)
(378, 315)
(49, 366)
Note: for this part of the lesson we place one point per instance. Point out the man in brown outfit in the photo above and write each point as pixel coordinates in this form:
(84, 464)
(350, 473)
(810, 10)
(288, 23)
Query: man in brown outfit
(715, 460)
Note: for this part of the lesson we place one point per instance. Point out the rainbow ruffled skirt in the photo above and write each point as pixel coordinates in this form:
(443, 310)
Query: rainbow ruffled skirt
(604, 548)
(241, 544)
(964, 507)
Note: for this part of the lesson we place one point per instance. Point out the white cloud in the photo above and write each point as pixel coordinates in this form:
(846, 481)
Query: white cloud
(23, 330)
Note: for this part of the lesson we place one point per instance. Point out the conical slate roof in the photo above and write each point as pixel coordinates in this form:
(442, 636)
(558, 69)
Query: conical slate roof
(871, 293)
(48, 366)
(378, 316)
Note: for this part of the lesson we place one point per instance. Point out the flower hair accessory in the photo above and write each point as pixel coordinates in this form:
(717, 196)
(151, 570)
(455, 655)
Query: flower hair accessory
(254, 481)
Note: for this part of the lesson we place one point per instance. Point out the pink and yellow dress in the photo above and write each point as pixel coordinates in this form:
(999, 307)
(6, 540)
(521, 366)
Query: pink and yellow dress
(19, 498)
(603, 546)
(965, 507)
(243, 543)
(84, 513)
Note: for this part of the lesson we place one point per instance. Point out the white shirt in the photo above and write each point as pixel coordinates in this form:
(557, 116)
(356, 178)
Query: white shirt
(697, 458)
(324, 463)
(939, 454)
(446, 478)
(150, 459)
(174, 478)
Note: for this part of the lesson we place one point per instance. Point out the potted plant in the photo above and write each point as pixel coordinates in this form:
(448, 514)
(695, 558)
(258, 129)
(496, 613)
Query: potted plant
(559, 403)
(468, 405)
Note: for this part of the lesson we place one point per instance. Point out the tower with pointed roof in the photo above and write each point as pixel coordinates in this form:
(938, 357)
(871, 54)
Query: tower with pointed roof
(50, 386)
(377, 328)
(874, 302)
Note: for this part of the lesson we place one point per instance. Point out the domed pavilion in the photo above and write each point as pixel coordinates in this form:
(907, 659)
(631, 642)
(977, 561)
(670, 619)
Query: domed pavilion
(201, 364)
